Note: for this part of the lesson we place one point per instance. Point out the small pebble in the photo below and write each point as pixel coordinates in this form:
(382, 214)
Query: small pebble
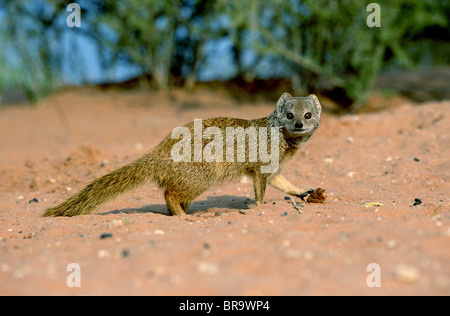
(417, 202)
(242, 212)
(33, 201)
(351, 174)
(125, 253)
(115, 223)
(287, 198)
(406, 274)
(391, 244)
(208, 268)
(106, 235)
(103, 253)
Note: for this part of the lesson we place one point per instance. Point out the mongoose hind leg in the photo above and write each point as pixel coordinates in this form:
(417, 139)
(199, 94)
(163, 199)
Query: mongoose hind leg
(185, 205)
(173, 204)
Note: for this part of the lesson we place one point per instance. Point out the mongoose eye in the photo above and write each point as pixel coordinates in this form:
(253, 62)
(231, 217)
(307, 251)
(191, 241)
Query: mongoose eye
(290, 116)
(308, 116)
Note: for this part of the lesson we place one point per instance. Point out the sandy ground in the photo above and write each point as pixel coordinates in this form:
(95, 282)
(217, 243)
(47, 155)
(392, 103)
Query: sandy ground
(226, 245)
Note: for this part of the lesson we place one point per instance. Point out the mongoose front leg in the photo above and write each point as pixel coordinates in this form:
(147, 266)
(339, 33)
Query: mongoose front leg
(259, 185)
(281, 183)
(173, 204)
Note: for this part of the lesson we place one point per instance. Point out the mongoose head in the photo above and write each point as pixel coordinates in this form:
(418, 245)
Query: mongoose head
(299, 116)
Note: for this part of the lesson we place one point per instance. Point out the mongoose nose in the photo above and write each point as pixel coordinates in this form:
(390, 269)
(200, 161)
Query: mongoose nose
(298, 125)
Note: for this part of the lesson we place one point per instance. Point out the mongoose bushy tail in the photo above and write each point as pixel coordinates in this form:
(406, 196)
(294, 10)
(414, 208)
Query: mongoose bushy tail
(124, 179)
(203, 153)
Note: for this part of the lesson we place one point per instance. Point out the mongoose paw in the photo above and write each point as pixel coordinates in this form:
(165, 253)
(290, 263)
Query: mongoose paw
(304, 193)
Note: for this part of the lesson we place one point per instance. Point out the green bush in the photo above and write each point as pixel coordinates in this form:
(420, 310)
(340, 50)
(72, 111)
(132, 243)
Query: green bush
(330, 47)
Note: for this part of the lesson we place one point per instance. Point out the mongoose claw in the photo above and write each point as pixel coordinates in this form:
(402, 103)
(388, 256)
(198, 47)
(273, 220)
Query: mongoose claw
(304, 193)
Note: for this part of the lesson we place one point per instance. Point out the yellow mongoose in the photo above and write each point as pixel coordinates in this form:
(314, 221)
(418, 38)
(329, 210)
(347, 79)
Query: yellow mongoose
(184, 167)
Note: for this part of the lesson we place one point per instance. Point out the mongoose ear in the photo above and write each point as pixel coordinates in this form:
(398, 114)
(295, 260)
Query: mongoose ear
(316, 102)
(281, 100)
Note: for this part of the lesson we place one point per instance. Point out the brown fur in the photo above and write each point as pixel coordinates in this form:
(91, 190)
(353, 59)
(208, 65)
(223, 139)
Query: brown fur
(183, 181)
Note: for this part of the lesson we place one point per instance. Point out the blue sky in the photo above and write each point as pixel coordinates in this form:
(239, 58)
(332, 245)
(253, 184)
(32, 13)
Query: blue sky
(83, 63)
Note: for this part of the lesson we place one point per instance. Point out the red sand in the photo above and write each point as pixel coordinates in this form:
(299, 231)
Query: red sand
(226, 245)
